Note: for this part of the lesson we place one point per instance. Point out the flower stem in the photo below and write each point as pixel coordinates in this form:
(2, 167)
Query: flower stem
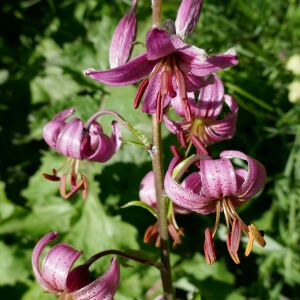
(166, 275)
(156, 12)
(128, 255)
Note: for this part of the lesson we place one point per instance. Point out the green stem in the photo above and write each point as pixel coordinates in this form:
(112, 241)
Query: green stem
(156, 153)
(156, 12)
(122, 254)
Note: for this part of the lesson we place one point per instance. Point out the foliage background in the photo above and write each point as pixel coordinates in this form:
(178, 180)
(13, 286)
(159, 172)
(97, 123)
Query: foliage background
(44, 46)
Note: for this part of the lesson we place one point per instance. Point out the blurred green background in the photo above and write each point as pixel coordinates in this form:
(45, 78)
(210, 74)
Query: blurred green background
(45, 45)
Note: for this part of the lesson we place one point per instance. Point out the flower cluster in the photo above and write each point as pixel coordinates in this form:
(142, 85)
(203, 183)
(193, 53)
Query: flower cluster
(180, 88)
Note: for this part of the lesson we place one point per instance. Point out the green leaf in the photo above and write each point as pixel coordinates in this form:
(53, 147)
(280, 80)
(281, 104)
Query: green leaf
(141, 204)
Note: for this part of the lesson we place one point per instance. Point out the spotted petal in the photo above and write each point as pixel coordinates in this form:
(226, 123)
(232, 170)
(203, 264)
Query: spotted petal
(56, 265)
(103, 288)
(256, 174)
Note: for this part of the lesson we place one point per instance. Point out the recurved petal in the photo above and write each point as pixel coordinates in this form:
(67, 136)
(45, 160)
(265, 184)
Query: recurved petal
(36, 253)
(212, 64)
(187, 16)
(98, 146)
(218, 178)
(69, 140)
(256, 174)
(103, 288)
(158, 44)
(147, 189)
(53, 128)
(210, 101)
(57, 263)
(126, 74)
(185, 197)
(122, 40)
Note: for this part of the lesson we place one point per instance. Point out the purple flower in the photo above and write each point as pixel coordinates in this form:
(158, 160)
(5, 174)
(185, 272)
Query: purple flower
(78, 142)
(169, 66)
(187, 16)
(205, 126)
(219, 186)
(123, 38)
(55, 274)
(147, 195)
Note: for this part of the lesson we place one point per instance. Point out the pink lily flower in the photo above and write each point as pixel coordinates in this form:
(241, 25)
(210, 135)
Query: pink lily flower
(169, 66)
(79, 142)
(205, 126)
(123, 38)
(147, 195)
(219, 186)
(187, 17)
(55, 275)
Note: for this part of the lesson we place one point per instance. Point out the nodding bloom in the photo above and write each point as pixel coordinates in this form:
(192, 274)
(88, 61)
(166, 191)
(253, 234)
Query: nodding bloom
(55, 275)
(147, 195)
(123, 38)
(205, 126)
(167, 68)
(78, 142)
(219, 186)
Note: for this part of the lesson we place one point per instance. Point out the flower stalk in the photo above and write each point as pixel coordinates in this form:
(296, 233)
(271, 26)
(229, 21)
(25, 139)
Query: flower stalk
(166, 275)
(156, 12)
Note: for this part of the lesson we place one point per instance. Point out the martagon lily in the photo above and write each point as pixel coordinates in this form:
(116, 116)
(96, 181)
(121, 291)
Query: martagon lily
(205, 126)
(219, 186)
(167, 68)
(79, 141)
(55, 275)
(147, 195)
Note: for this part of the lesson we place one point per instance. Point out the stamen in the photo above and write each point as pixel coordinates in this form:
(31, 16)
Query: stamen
(256, 235)
(159, 107)
(233, 255)
(218, 213)
(235, 235)
(209, 248)
(197, 143)
(228, 221)
(181, 138)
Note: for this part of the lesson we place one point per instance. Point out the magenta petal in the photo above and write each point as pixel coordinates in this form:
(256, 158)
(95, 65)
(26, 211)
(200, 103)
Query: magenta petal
(187, 16)
(57, 263)
(36, 253)
(158, 44)
(210, 100)
(103, 288)
(218, 178)
(53, 128)
(151, 93)
(256, 175)
(184, 197)
(122, 41)
(98, 146)
(128, 73)
(69, 140)
(147, 190)
(210, 65)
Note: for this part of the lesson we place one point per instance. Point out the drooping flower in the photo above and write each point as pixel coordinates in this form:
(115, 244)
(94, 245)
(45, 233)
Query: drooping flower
(148, 196)
(217, 186)
(123, 38)
(78, 142)
(205, 126)
(55, 274)
(169, 66)
(187, 17)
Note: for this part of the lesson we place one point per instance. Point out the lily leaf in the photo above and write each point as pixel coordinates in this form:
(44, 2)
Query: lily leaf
(141, 204)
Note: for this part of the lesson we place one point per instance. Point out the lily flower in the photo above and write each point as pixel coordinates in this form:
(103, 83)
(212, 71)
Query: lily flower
(123, 38)
(78, 142)
(55, 275)
(205, 126)
(169, 66)
(187, 17)
(148, 196)
(219, 186)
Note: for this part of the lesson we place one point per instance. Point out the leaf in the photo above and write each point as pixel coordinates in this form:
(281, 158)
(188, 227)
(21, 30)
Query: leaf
(141, 204)
(14, 266)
